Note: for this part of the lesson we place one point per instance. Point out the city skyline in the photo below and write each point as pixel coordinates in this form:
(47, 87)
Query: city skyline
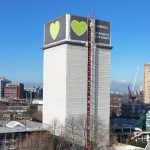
(22, 35)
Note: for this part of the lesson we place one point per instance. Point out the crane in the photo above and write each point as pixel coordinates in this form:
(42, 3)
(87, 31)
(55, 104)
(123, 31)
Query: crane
(135, 77)
(132, 95)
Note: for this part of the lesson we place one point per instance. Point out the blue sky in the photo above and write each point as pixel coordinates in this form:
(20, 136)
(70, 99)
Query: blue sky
(21, 34)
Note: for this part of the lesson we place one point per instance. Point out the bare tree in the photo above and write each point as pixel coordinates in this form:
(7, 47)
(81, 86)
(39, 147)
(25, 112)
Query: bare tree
(34, 141)
(57, 131)
(76, 133)
(37, 116)
(72, 136)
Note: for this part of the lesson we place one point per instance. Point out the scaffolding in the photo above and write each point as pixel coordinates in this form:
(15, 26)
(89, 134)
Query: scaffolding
(92, 87)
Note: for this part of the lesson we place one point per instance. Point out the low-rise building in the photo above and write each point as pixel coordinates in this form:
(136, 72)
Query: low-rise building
(38, 104)
(17, 135)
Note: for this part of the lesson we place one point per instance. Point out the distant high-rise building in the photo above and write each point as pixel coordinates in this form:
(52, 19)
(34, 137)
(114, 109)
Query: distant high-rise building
(147, 83)
(66, 71)
(33, 93)
(3, 83)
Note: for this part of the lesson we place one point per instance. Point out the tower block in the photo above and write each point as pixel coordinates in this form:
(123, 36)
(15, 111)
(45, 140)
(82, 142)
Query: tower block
(65, 69)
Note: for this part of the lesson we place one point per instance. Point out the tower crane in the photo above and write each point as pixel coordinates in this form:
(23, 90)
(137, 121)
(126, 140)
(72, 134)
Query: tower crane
(132, 95)
(135, 77)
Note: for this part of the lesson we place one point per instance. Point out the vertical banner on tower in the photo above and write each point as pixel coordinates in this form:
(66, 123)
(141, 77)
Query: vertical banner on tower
(102, 32)
(79, 28)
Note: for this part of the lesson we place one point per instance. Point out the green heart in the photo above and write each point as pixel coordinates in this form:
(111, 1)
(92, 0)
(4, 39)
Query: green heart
(54, 29)
(79, 27)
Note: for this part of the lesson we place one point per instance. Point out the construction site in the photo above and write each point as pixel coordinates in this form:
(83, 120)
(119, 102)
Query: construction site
(130, 113)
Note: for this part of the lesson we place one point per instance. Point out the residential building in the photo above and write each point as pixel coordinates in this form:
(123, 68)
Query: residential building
(147, 83)
(66, 71)
(14, 91)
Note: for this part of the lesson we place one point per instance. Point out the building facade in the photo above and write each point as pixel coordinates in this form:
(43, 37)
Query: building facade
(3, 83)
(18, 135)
(14, 91)
(133, 110)
(65, 69)
(147, 83)
(33, 93)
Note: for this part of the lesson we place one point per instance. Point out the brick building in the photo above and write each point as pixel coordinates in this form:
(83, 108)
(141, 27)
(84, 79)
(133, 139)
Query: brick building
(14, 91)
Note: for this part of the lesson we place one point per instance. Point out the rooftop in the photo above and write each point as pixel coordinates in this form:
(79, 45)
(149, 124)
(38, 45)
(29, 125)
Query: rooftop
(22, 126)
(15, 124)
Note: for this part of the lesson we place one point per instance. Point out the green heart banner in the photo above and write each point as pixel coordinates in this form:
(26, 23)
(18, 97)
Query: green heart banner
(79, 28)
(74, 28)
(54, 29)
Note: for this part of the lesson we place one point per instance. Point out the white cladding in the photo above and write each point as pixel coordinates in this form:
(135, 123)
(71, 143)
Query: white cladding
(104, 86)
(76, 80)
(65, 82)
(54, 94)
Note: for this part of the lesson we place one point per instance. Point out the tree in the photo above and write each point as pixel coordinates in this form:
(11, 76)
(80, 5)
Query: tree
(72, 136)
(2, 108)
(57, 131)
(37, 116)
(76, 133)
(34, 141)
(113, 139)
